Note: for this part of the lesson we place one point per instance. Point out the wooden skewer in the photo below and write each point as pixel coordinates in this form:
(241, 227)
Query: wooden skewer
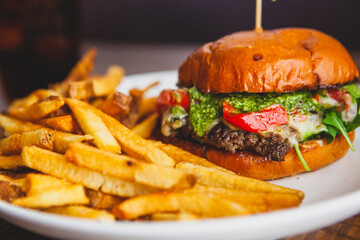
(258, 14)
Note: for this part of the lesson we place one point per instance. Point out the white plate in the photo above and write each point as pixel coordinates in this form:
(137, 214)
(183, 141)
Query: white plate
(332, 194)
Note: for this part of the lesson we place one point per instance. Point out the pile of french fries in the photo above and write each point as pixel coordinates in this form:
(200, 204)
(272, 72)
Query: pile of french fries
(80, 149)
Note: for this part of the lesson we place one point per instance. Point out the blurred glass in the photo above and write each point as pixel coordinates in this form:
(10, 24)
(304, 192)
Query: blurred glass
(39, 43)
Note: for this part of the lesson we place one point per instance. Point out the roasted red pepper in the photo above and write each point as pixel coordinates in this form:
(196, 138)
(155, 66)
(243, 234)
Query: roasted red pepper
(336, 94)
(170, 98)
(256, 121)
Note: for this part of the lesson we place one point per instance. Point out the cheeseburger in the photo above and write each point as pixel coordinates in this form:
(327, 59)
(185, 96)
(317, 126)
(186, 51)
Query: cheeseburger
(265, 105)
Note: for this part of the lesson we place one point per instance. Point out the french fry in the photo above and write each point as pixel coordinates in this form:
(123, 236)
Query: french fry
(11, 162)
(38, 183)
(9, 188)
(127, 168)
(109, 82)
(82, 212)
(56, 165)
(180, 155)
(31, 99)
(15, 143)
(146, 127)
(215, 178)
(37, 110)
(72, 194)
(198, 204)
(19, 182)
(92, 124)
(116, 105)
(123, 188)
(64, 123)
(254, 201)
(97, 102)
(147, 107)
(101, 200)
(133, 144)
(173, 217)
(61, 139)
(12, 125)
(97, 86)
(81, 70)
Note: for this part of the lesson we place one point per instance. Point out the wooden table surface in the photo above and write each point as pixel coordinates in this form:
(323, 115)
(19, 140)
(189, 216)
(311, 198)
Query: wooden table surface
(136, 58)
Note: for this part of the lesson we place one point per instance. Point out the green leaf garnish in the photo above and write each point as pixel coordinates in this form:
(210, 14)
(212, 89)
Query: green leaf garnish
(331, 133)
(298, 152)
(353, 89)
(354, 124)
(332, 119)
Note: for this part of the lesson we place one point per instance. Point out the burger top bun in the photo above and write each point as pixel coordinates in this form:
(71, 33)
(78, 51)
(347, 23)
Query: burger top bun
(281, 60)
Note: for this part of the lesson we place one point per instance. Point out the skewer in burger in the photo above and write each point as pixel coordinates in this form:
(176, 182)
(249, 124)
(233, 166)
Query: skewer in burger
(265, 104)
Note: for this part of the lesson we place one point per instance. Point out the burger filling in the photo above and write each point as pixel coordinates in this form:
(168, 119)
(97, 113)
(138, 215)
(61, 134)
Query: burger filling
(269, 124)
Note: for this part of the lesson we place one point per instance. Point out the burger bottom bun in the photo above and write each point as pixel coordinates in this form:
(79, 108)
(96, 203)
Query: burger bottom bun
(317, 154)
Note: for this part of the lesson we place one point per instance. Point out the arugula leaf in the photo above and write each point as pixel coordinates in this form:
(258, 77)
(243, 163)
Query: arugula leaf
(333, 120)
(331, 133)
(353, 89)
(298, 152)
(354, 124)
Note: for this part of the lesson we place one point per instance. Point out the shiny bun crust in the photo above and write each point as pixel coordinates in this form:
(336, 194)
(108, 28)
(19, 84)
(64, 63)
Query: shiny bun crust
(281, 60)
(317, 154)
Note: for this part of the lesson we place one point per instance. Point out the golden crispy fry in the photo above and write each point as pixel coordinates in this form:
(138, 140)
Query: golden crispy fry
(31, 99)
(56, 165)
(92, 124)
(127, 168)
(17, 182)
(101, 200)
(97, 86)
(9, 188)
(37, 110)
(122, 188)
(146, 127)
(133, 144)
(198, 204)
(11, 162)
(64, 123)
(173, 217)
(38, 183)
(132, 117)
(107, 84)
(97, 101)
(12, 125)
(215, 178)
(15, 143)
(254, 201)
(116, 105)
(180, 155)
(61, 139)
(147, 106)
(82, 212)
(72, 194)
(81, 70)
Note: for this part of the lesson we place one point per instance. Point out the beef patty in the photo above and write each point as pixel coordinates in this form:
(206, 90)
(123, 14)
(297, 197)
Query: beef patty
(272, 145)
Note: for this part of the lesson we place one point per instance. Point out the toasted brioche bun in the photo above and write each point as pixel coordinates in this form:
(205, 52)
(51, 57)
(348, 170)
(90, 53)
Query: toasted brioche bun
(281, 60)
(317, 154)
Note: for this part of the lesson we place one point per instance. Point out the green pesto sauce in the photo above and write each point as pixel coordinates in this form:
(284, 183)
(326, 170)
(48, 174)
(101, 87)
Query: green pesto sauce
(207, 108)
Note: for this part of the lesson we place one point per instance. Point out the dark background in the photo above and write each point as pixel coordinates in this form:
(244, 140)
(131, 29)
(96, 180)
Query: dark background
(207, 20)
